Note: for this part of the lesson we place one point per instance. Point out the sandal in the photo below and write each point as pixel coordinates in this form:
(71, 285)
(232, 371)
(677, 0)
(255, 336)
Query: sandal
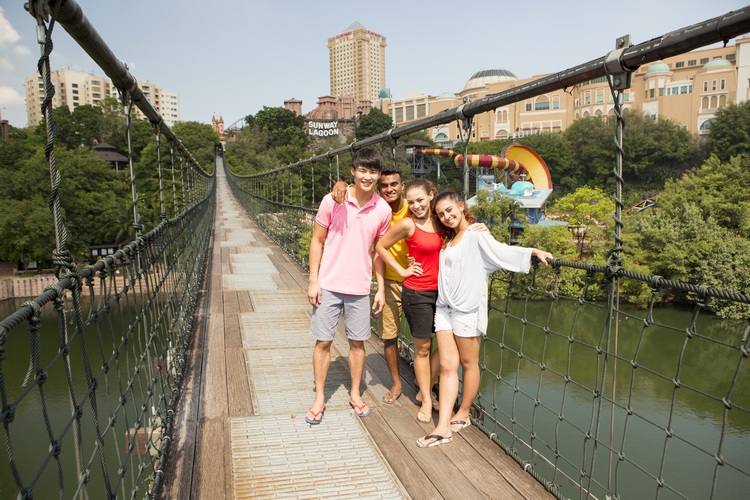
(313, 418)
(362, 410)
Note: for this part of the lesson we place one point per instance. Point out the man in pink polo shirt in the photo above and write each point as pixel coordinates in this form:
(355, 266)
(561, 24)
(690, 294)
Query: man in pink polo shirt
(341, 276)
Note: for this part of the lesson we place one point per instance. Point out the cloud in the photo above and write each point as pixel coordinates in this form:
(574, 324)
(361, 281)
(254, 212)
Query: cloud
(8, 34)
(9, 96)
(21, 51)
(5, 65)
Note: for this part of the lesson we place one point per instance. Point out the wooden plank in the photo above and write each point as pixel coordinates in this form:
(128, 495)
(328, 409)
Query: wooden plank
(215, 399)
(232, 331)
(403, 465)
(231, 303)
(238, 387)
(245, 299)
(210, 468)
(436, 462)
(523, 482)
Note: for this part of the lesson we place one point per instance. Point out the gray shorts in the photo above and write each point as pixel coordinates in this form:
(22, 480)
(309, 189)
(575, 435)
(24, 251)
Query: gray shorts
(325, 317)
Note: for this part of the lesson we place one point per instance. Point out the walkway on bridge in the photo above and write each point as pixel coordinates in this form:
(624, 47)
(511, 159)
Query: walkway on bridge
(240, 430)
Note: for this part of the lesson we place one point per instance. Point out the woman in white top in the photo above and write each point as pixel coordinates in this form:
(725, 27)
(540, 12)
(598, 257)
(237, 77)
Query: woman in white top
(466, 261)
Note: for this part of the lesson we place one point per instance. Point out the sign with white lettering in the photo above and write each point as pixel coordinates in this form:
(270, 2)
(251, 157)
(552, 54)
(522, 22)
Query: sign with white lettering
(323, 128)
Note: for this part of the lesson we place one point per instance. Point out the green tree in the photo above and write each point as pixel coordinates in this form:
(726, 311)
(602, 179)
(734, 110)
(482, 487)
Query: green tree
(589, 213)
(718, 189)
(730, 131)
(681, 244)
(373, 123)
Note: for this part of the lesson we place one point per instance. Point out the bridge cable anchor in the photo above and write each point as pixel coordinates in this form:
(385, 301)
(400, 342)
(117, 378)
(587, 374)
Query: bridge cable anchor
(620, 75)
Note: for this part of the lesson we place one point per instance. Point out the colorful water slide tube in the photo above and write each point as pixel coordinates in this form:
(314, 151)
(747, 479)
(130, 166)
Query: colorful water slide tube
(516, 159)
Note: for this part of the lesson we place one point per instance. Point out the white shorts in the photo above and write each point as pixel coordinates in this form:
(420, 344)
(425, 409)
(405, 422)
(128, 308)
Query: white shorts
(462, 324)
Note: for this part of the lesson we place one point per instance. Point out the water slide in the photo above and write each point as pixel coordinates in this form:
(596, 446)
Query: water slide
(516, 159)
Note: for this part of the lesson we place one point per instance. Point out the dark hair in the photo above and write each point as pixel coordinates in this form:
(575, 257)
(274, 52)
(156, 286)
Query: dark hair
(426, 185)
(368, 158)
(448, 233)
(392, 171)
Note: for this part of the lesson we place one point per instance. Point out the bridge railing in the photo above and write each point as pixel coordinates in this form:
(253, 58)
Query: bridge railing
(91, 369)
(592, 397)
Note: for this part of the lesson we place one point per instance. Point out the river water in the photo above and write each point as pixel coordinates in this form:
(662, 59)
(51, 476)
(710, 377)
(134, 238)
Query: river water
(28, 431)
(703, 356)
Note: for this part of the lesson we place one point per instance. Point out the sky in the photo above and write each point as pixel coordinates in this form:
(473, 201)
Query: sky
(230, 58)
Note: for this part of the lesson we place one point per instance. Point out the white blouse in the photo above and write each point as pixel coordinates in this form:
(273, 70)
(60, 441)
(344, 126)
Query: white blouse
(466, 266)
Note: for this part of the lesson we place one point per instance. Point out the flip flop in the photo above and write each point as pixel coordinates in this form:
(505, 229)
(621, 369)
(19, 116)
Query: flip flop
(362, 410)
(391, 398)
(458, 425)
(438, 440)
(316, 417)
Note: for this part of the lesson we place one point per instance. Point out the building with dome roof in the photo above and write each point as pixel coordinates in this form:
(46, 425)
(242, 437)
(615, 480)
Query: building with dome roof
(687, 89)
(489, 76)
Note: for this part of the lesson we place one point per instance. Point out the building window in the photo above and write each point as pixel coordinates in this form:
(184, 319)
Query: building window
(651, 93)
(713, 84)
(692, 62)
(680, 64)
(723, 84)
(704, 60)
(705, 86)
(74, 85)
(528, 106)
(587, 99)
(661, 92)
(730, 57)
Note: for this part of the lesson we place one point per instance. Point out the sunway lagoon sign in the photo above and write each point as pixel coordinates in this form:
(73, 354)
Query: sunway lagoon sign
(323, 129)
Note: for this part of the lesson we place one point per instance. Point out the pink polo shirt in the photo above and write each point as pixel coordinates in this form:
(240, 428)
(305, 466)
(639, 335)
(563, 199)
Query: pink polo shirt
(346, 265)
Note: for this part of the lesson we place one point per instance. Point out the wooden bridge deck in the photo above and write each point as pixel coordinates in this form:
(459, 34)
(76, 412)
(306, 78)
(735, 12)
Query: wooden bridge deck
(240, 429)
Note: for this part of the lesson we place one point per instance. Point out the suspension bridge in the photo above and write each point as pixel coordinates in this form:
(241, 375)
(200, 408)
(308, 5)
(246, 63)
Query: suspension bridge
(179, 366)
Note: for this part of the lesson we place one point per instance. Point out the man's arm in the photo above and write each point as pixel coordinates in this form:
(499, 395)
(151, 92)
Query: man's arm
(316, 254)
(379, 301)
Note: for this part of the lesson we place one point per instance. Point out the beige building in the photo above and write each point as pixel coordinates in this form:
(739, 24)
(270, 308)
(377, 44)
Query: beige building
(357, 63)
(75, 88)
(687, 89)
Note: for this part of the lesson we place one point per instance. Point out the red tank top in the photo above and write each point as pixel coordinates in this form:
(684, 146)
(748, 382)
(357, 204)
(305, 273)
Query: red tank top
(425, 248)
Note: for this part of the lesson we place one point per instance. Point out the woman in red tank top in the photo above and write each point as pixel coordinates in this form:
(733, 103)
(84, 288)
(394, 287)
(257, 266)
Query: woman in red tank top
(422, 235)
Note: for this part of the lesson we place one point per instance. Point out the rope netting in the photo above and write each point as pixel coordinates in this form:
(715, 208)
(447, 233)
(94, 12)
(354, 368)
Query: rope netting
(91, 369)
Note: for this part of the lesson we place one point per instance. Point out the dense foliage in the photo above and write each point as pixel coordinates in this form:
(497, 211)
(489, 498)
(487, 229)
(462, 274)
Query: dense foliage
(96, 198)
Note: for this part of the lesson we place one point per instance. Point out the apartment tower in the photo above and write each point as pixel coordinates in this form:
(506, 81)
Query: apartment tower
(357, 58)
(76, 88)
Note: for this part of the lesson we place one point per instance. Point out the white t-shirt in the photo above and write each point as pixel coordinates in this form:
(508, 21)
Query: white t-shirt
(465, 268)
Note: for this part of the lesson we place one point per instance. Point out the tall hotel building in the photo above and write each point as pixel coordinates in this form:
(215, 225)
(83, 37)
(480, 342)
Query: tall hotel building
(75, 88)
(357, 58)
